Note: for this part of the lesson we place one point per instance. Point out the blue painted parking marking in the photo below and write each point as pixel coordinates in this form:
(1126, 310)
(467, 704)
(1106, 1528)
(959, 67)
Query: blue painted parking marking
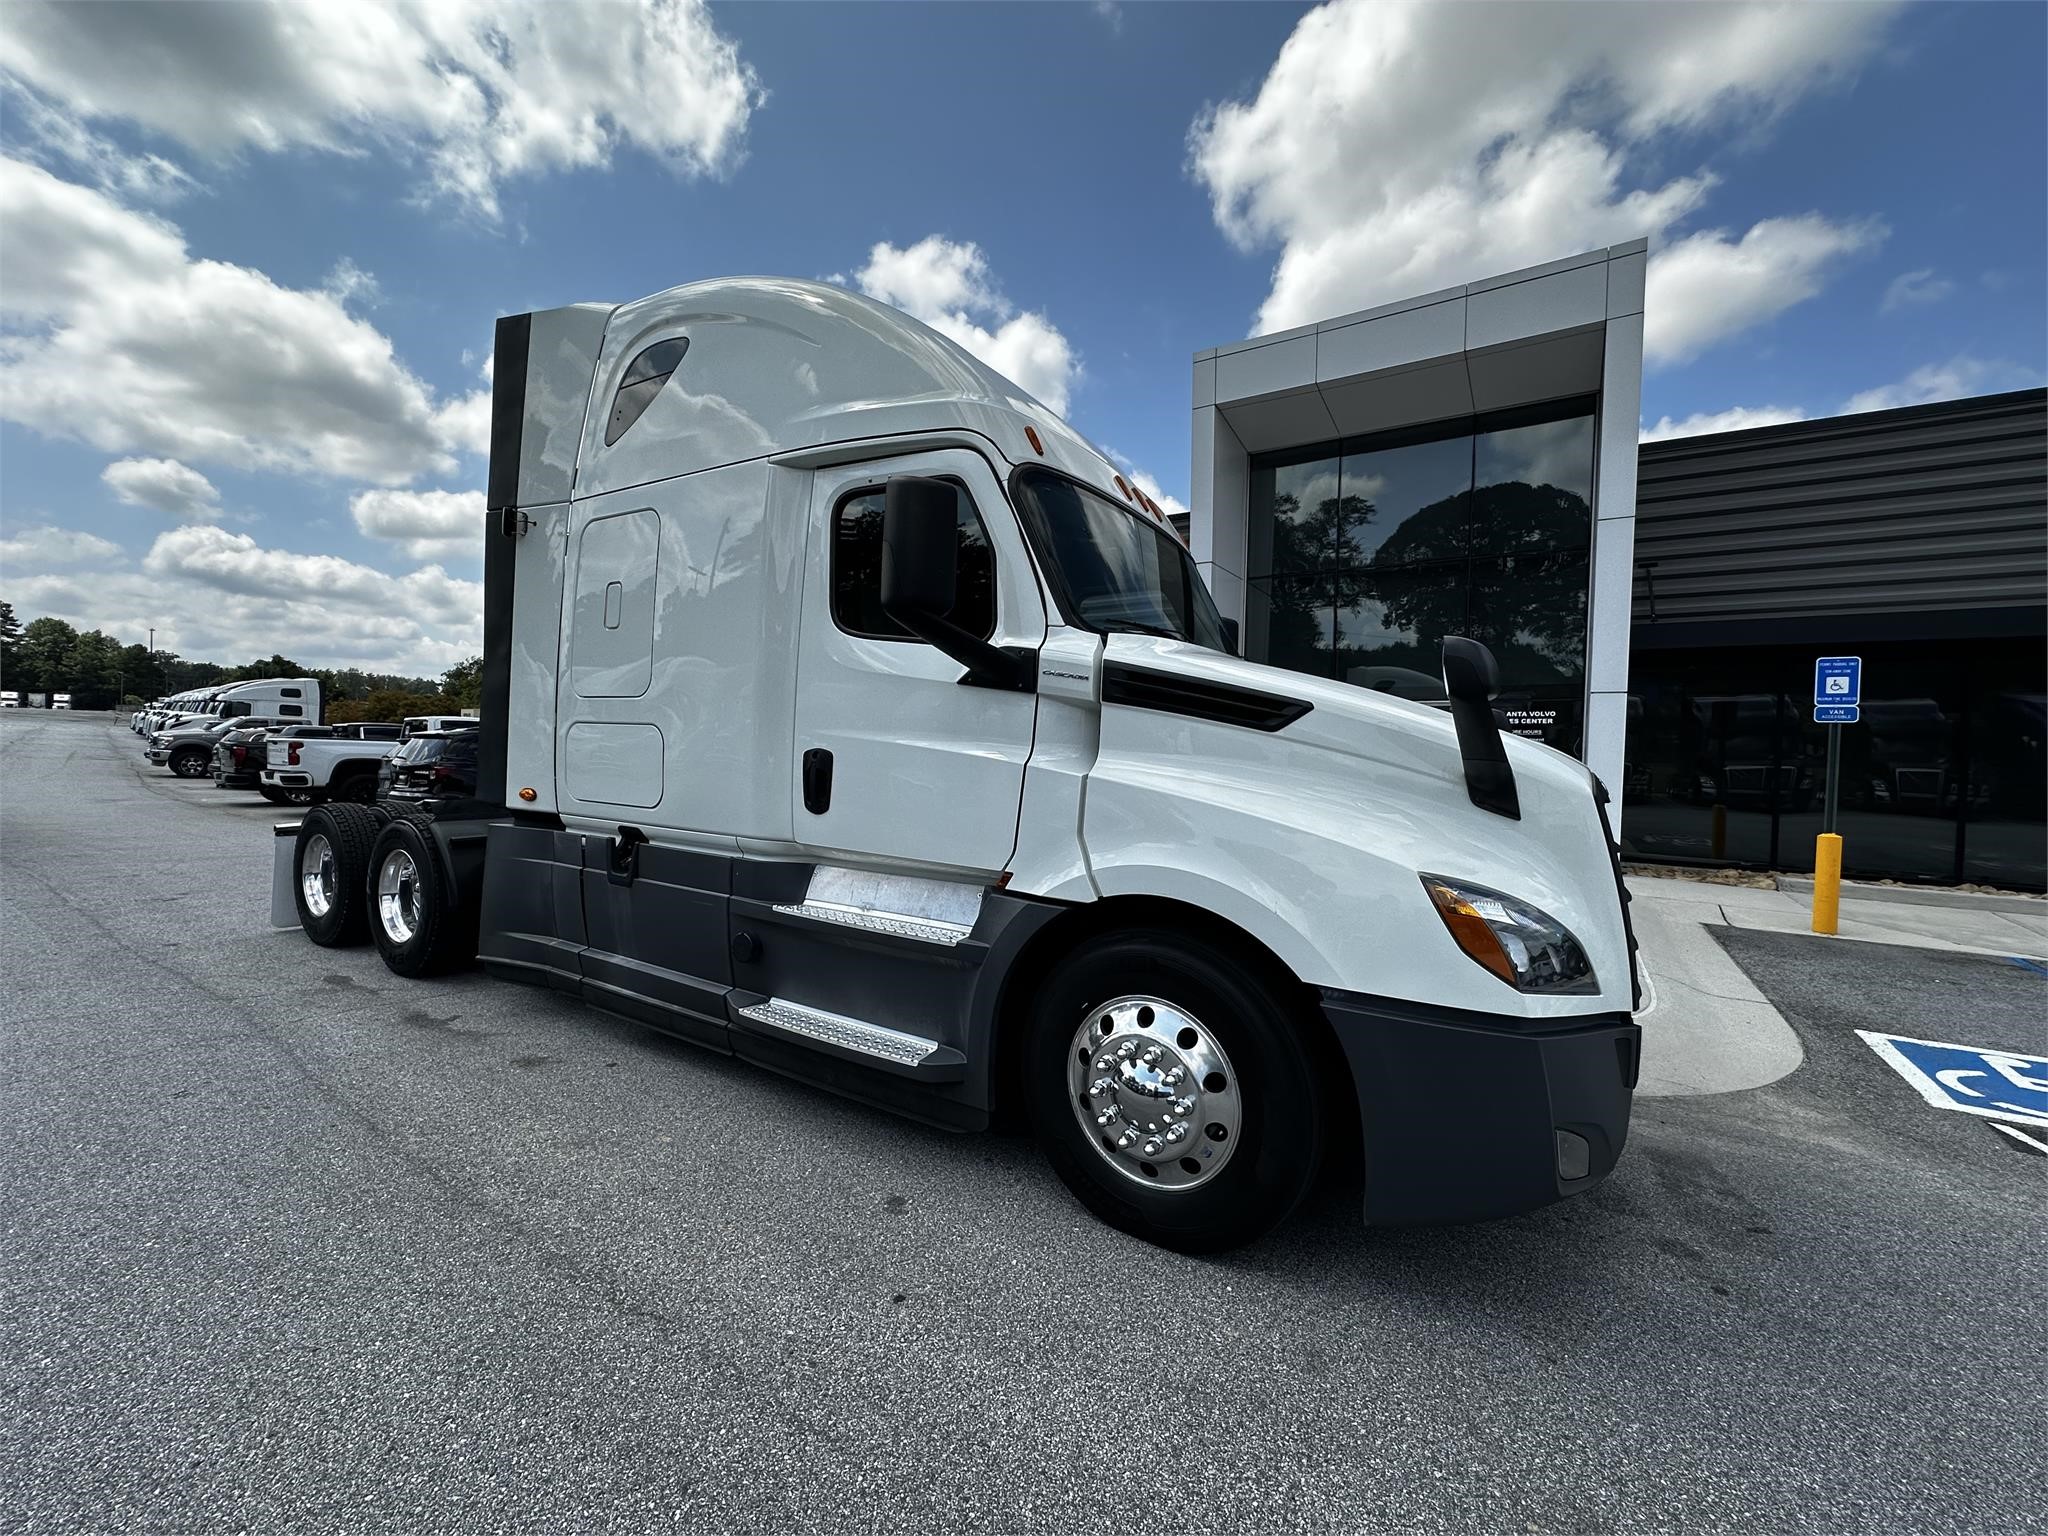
(1977, 1080)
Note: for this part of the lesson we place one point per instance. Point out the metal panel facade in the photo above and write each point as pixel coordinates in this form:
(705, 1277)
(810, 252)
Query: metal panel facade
(1935, 509)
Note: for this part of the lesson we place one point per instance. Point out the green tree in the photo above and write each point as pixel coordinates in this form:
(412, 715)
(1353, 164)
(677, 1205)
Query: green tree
(94, 677)
(46, 647)
(390, 704)
(464, 682)
(10, 643)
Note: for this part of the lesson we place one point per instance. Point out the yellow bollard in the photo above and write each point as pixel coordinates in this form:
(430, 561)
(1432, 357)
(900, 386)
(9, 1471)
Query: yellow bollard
(1827, 881)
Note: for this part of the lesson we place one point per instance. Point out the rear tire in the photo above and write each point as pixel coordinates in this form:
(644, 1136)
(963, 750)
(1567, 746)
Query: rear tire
(330, 862)
(357, 788)
(1210, 1041)
(418, 919)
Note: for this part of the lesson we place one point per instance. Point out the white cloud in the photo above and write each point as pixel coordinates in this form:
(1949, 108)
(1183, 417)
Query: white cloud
(164, 485)
(1913, 288)
(350, 284)
(236, 563)
(427, 525)
(43, 131)
(1397, 146)
(215, 595)
(1708, 286)
(1735, 419)
(41, 548)
(1172, 506)
(480, 90)
(947, 285)
(115, 334)
(1953, 380)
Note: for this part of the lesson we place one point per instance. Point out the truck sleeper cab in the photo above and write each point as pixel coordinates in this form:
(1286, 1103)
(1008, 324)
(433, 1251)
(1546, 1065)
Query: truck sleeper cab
(847, 712)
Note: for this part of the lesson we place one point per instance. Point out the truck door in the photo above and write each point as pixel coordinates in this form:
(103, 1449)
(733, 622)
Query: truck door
(896, 761)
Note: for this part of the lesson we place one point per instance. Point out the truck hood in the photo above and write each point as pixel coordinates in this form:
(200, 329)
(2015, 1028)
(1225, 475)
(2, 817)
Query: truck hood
(1396, 734)
(1315, 834)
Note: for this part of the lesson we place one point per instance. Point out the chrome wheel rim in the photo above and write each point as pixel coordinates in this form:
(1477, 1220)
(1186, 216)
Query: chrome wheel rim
(188, 765)
(1154, 1092)
(316, 875)
(398, 896)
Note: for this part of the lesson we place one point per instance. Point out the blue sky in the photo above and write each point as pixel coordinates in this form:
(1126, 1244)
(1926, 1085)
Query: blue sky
(212, 223)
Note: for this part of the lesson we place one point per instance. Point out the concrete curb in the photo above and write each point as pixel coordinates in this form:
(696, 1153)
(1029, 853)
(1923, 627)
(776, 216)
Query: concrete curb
(1924, 896)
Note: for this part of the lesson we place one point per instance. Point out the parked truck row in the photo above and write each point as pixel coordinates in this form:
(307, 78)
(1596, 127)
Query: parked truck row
(267, 736)
(846, 712)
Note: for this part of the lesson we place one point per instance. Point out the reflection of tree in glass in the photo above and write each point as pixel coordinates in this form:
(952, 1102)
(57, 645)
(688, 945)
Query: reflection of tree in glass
(1529, 608)
(1315, 543)
(1320, 541)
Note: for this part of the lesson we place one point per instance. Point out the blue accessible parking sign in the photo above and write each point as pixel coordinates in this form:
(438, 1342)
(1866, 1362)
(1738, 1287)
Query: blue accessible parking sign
(1837, 690)
(1978, 1080)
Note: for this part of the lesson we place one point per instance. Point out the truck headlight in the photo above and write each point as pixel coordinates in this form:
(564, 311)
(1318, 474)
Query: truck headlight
(1529, 950)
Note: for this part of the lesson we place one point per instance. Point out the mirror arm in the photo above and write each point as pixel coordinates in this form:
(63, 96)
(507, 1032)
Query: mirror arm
(988, 666)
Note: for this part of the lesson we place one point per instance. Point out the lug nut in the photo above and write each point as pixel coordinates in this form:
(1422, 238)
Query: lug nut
(1126, 1139)
(1102, 1085)
(1127, 1049)
(1152, 1054)
(1104, 1063)
(1106, 1119)
(1174, 1077)
(1178, 1134)
(1152, 1147)
(1184, 1106)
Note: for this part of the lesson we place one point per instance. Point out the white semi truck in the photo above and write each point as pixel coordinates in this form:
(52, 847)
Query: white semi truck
(847, 712)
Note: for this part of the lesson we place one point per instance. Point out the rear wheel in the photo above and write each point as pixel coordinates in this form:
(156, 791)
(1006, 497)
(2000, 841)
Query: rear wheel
(418, 918)
(1173, 1092)
(329, 865)
(361, 788)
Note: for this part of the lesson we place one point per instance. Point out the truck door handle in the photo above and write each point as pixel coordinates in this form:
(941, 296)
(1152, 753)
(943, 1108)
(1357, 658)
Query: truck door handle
(817, 781)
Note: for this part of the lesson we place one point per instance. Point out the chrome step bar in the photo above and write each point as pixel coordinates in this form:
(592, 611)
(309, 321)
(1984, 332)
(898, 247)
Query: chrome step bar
(856, 1036)
(927, 930)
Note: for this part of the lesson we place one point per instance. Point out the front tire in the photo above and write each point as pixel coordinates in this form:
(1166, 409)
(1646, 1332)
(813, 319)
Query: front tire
(329, 864)
(417, 916)
(189, 763)
(1173, 1091)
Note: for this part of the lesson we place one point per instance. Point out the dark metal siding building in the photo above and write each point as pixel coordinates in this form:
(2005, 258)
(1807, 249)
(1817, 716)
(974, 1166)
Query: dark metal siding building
(1917, 538)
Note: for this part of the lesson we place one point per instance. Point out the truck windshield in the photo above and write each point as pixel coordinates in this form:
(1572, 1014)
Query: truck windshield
(1113, 569)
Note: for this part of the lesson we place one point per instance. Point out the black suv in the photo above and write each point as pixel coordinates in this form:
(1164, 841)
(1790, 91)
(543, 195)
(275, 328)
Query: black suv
(434, 765)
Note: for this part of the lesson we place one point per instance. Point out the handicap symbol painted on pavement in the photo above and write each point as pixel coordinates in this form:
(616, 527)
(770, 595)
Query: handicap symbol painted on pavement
(1978, 1080)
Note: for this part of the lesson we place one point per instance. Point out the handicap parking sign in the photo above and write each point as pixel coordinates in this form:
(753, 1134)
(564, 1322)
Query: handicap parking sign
(1837, 689)
(1978, 1080)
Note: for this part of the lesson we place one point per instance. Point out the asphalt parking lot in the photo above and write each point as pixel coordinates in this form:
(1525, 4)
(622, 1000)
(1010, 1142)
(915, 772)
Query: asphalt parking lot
(290, 1244)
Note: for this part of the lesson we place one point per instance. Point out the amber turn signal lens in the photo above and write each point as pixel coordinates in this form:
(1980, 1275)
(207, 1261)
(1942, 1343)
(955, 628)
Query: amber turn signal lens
(1031, 436)
(528, 794)
(1474, 934)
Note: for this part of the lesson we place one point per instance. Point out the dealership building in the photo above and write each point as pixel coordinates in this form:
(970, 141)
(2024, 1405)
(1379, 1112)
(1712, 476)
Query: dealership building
(1466, 462)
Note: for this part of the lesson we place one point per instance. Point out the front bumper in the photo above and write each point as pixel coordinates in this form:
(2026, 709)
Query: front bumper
(1466, 1116)
(158, 755)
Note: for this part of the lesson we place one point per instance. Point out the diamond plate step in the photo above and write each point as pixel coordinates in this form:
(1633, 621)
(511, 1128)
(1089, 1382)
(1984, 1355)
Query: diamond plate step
(929, 930)
(855, 1036)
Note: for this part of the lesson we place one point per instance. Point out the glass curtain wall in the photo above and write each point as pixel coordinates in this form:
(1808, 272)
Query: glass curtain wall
(1365, 553)
(1943, 779)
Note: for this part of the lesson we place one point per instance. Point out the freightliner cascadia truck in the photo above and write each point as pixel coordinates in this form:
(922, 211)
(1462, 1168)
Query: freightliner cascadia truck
(846, 712)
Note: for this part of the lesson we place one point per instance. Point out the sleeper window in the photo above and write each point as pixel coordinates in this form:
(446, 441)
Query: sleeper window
(857, 570)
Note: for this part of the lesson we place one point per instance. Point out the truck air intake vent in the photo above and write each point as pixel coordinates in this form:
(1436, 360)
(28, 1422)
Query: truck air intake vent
(643, 379)
(1225, 703)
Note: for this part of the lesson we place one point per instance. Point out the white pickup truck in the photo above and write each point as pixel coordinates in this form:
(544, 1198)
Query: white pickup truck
(307, 770)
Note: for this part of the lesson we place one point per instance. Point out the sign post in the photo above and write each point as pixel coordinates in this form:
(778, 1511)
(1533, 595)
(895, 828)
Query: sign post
(1837, 701)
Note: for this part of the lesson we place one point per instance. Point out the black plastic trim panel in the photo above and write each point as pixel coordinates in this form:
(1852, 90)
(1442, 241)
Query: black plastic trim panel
(508, 410)
(1225, 703)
